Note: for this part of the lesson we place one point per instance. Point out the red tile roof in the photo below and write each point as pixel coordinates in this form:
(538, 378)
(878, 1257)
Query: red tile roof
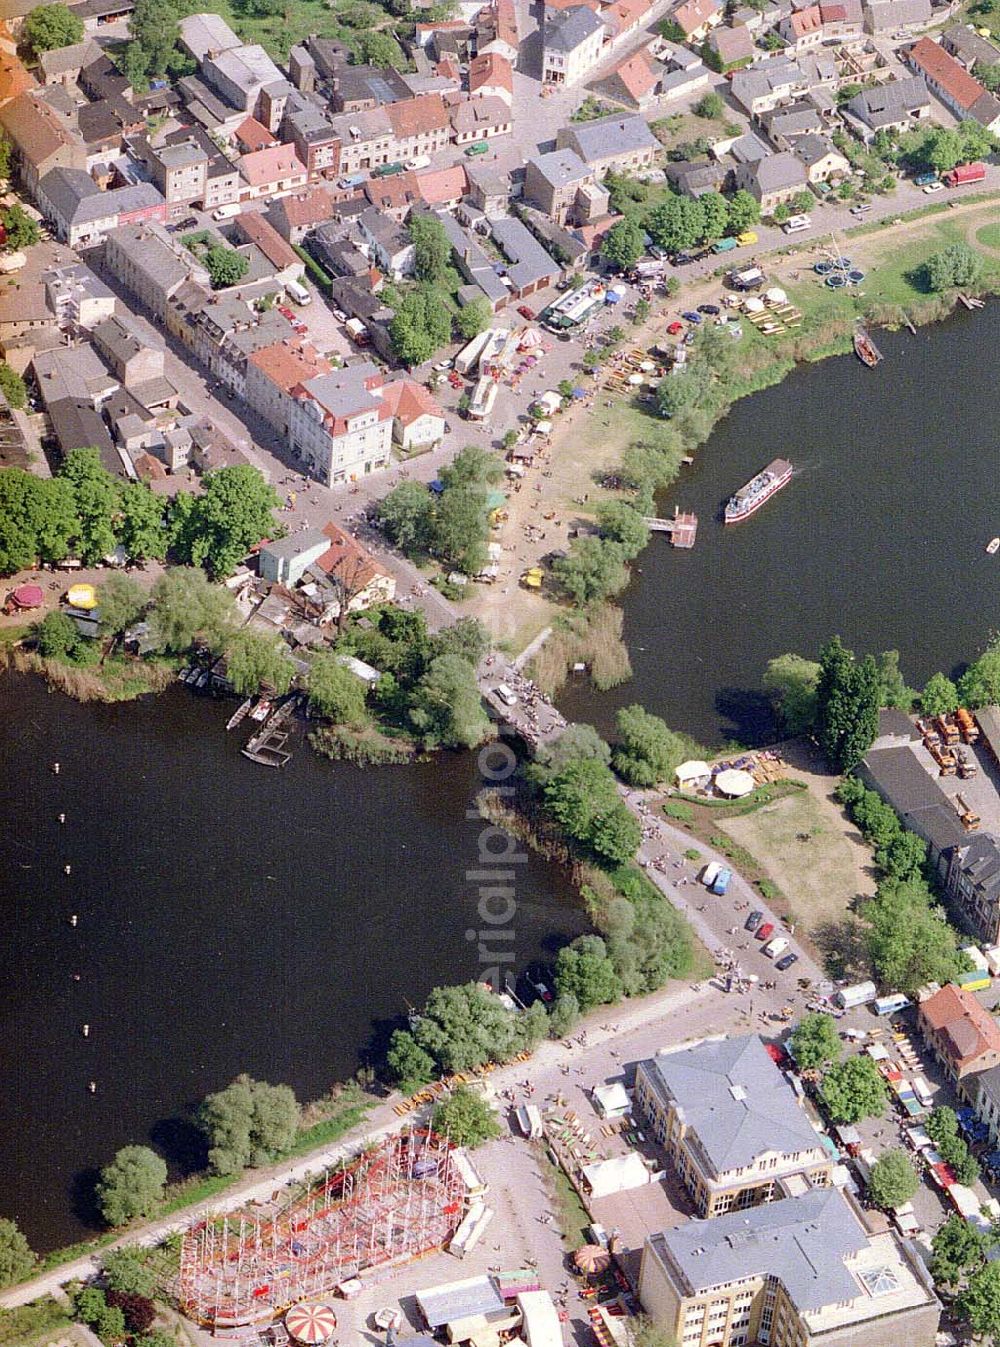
(356, 565)
(255, 229)
(252, 135)
(505, 22)
(695, 14)
(966, 1029)
(266, 166)
(490, 68)
(637, 74)
(442, 184)
(14, 79)
(934, 62)
(805, 21)
(290, 362)
(626, 14)
(417, 116)
(408, 401)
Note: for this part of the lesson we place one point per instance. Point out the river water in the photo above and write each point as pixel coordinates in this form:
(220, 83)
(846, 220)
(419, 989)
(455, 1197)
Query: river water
(879, 536)
(230, 918)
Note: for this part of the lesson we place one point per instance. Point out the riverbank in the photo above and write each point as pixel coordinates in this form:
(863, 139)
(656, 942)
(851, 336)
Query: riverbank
(587, 447)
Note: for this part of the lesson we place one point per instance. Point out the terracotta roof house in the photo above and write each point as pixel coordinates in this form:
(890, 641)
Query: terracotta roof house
(443, 186)
(394, 195)
(696, 17)
(272, 374)
(294, 216)
(961, 1033)
(633, 82)
(491, 73)
(40, 138)
(417, 421)
(14, 78)
(281, 255)
(959, 90)
(354, 571)
(272, 170)
(624, 16)
(251, 136)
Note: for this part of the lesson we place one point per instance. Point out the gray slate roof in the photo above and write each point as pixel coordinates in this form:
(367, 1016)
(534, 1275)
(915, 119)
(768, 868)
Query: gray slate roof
(528, 261)
(560, 167)
(803, 1241)
(571, 27)
(890, 102)
(609, 136)
(295, 544)
(780, 171)
(970, 47)
(736, 1100)
(342, 392)
(902, 781)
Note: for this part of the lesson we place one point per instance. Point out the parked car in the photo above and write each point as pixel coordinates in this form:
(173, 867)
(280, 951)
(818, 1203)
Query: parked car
(925, 179)
(753, 921)
(775, 947)
(932, 187)
(443, 365)
(786, 961)
(766, 931)
(525, 312)
(675, 328)
(690, 316)
(712, 310)
(862, 208)
(286, 312)
(189, 222)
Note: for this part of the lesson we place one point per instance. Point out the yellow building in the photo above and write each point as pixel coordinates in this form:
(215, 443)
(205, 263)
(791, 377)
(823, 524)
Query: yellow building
(730, 1123)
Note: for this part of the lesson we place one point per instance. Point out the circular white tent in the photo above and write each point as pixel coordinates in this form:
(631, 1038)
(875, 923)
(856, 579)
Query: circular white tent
(734, 783)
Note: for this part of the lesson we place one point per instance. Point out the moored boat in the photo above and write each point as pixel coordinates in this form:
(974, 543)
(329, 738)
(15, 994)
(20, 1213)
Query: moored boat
(865, 349)
(993, 546)
(759, 489)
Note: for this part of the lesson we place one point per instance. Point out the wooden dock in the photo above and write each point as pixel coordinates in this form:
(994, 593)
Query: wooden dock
(682, 530)
(268, 746)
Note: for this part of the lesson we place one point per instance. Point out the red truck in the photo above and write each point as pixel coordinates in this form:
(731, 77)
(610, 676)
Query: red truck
(964, 173)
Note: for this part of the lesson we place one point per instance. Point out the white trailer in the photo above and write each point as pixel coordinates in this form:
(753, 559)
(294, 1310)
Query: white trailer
(858, 994)
(468, 357)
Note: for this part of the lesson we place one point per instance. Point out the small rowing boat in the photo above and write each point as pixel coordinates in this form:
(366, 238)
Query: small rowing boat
(993, 546)
(865, 349)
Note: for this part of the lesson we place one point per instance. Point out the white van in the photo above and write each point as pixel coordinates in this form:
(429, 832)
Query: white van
(227, 212)
(420, 161)
(776, 946)
(796, 224)
(710, 874)
(506, 696)
(298, 292)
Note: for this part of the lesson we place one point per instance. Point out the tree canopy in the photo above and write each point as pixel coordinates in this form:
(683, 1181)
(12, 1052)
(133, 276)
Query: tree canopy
(249, 1123)
(815, 1042)
(958, 1249)
(953, 267)
(22, 231)
(649, 751)
(939, 697)
(623, 243)
(980, 684)
(847, 704)
(127, 1270)
(446, 707)
(121, 600)
(258, 662)
(131, 1185)
(16, 1256)
(233, 513)
(431, 249)
(853, 1090)
(462, 1027)
(97, 496)
(186, 606)
(225, 266)
(792, 682)
(593, 569)
(51, 26)
(893, 1180)
(584, 971)
(335, 692)
(583, 797)
(465, 1118)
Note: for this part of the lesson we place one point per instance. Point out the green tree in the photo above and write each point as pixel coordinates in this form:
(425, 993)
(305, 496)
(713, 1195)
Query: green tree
(406, 516)
(979, 1304)
(958, 1248)
(584, 798)
(410, 1066)
(473, 318)
(956, 266)
(249, 1123)
(621, 523)
(623, 243)
(13, 388)
(715, 209)
(471, 466)
(97, 496)
(853, 1090)
(446, 707)
(89, 1304)
(259, 662)
(56, 636)
(379, 48)
(791, 681)
(121, 601)
(909, 940)
(643, 309)
(110, 1325)
(233, 513)
(980, 684)
(649, 751)
(584, 971)
(142, 529)
(51, 26)
(939, 697)
(225, 266)
(803, 201)
(420, 325)
(22, 230)
(847, 704)
(676, 224)
(153, 28)
(710, 106)
(37, 520)
(744, 212)
(941, 1124)
(16, 1257)
(577, 742)
(594, 568)
(431, 249)
(815, 1042)
(461, 528)
(892, 685)
(465, 1118)
(186, 606)
(893, 1180)
(131, 1185)
(781, 212)
(158, 1338)
(6, 157)
(335, 692)
(564, 1015)
(463, 1027)
(467, 637)
(126, 1270)
(865, 696)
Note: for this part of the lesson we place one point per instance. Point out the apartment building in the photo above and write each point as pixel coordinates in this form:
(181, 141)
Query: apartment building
(730, 1123)
(573, 40)
(340, 426)
(800, 1271)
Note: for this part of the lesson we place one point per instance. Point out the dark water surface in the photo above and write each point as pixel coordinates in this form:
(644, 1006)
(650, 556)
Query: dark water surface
(230, 918)
(879, 536)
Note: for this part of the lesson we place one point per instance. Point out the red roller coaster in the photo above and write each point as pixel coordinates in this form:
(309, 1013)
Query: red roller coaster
(400, 1199)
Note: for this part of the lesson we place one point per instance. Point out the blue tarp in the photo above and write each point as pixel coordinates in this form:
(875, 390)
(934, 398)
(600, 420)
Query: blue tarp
(612, 297)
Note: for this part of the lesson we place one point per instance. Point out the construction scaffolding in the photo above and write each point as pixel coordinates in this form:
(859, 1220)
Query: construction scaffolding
(404, 1197)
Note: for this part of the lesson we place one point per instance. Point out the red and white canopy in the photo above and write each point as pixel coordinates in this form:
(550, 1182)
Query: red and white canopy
(311, 1322)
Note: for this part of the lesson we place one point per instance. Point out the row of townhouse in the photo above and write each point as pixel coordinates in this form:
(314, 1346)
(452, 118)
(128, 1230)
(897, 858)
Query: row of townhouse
(776, 1254)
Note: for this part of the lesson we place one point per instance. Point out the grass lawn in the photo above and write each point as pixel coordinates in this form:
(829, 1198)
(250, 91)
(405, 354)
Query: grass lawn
(40, 1322)
(685, 126)
(298, 20)
(570, 1211)
(800, 845)
(989, 236)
